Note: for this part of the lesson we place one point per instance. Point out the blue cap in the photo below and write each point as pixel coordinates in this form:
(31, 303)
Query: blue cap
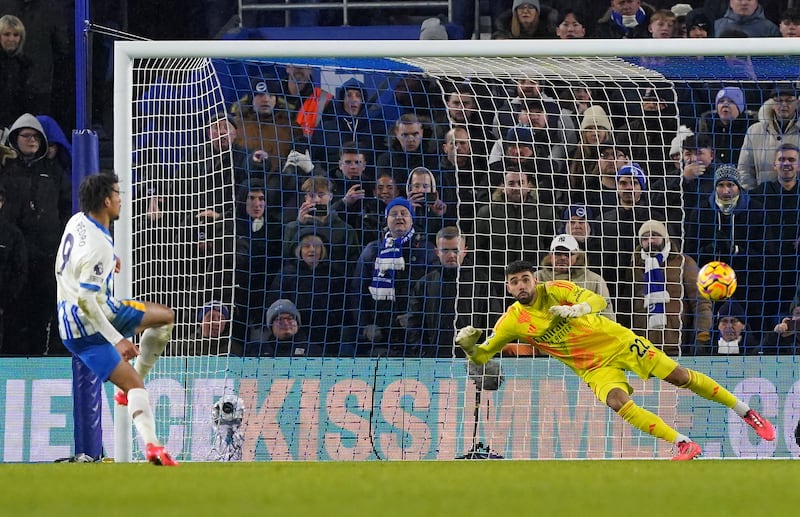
(519, 135)
(400, 200)
(213, 305)
(635, 170)
(578, 211)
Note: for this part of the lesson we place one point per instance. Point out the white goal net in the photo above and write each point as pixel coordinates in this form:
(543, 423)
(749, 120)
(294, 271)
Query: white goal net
(259, 176)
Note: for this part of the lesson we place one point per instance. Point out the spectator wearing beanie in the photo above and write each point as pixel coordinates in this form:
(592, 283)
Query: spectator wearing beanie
(667, 307)
(726, 124)
(527, 19)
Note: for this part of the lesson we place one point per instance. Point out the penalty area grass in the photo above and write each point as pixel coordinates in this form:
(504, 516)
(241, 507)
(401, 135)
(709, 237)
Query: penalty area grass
(406, 488)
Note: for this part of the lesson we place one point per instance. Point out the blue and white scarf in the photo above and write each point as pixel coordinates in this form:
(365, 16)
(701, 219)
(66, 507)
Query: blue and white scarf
(389, 260)
(655, 288)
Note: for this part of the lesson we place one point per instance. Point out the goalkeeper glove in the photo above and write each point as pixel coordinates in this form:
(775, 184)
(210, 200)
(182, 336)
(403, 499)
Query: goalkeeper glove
(300, 161)
(467, 339)
(571, 311)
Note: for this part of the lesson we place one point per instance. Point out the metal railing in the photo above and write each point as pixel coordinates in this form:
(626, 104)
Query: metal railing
(345, 6)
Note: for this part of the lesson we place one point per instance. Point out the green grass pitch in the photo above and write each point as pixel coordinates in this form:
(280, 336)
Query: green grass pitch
(436, 488)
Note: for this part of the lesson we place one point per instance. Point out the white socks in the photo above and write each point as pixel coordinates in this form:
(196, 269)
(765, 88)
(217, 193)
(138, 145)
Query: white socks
(141, 415)
(740, 408)
(151, 346)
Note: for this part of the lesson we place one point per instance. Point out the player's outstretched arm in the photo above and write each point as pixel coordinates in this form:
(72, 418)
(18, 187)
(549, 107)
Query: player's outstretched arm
(467, 339)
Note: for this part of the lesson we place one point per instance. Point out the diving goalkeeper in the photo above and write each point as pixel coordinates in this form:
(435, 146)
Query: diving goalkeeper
(562, 320)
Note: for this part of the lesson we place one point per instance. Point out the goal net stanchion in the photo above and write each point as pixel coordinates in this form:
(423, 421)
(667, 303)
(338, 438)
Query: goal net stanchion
(167, 95)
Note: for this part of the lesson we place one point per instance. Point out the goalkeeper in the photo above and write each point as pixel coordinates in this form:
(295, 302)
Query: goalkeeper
(562, 320)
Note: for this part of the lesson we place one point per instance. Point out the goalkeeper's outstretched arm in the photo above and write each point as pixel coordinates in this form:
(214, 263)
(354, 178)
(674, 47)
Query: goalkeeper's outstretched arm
(467, 339)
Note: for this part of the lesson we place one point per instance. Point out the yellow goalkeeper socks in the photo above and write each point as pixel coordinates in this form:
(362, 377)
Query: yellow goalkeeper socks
(710, 389)
(647, 422)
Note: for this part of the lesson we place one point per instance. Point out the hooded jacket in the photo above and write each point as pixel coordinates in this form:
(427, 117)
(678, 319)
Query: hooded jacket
(339, 127)
(39, 196)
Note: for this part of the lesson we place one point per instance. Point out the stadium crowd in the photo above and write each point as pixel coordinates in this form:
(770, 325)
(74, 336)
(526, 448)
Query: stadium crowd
(375, 221)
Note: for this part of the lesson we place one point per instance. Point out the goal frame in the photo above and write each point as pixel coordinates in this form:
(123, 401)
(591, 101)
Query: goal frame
(126, 51)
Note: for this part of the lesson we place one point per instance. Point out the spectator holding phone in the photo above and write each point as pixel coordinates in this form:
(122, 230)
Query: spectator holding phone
(315, 214)
(431, 213)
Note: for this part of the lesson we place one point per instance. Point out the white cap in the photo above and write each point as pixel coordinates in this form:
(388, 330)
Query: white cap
(565, 241)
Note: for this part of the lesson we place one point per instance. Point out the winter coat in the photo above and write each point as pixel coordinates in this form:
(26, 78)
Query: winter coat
(687, 313)
(38, 194)
(760, 144)
(755, 26)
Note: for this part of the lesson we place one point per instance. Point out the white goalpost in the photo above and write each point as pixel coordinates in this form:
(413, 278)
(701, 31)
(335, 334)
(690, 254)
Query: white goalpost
(351, 389)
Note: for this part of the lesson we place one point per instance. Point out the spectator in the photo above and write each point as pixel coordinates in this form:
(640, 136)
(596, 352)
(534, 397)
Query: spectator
(519, 155)
(462, 110)
(579, 222)
(431, 213)
(784, 338)
(211, 335)
(354, 190)
(263, 122)
(790, 23)
(408, 149)
(778, 125)
(531, 89)
(536, 127)
(566, 261)
(47, 44)
(698, 24)
(651, 134)
(696, 178)
(258, 253)
(662, 24)
(527, 19)
(15, 70)
(39, 202)
(318, 291)
(305, 101)
(515, 226)
(13, 275)
(781, 202)
(726, 124)
(346, 120)
(620, 225)
(461, 167)
(584, 166)
(453, 292)
(316, 214)
(748, 17)
(571, 25)
(196, 223)
(667, 307)
(386, 271)
(59, 147)
(729, 226)
(624, 19)
(734, 335)
(281, 335)
(385, 190)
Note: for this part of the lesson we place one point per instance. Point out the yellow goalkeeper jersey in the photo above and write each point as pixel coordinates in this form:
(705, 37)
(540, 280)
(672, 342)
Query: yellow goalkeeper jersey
(583, 343)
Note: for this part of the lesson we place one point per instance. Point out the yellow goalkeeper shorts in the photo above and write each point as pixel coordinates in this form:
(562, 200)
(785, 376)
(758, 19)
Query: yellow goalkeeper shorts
(640, 357)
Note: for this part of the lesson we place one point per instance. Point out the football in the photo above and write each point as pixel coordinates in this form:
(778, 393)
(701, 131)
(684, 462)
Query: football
(716, 281)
